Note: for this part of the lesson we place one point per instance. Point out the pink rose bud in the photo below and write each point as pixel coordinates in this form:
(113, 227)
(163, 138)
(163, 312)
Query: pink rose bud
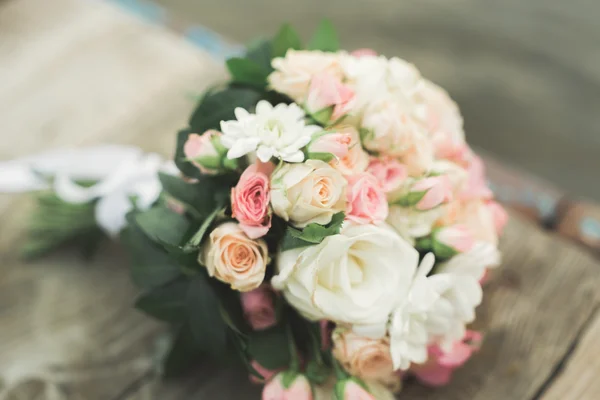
(250, 202)
(452, 240)
(258, 307)
(428, 193)
(476, 187)
(267, 374)
(351, 390)
(499, 215)
(328, 98)
(358, 53)
(288, 386)
(389, 172)
(366, 200)
(437, 371)
(334, 143)
(207, 153)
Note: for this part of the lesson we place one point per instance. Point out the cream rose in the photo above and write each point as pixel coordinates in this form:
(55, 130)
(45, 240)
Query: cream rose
(368, 359)
(309, 192)
(232, 257)
(356, 160)
(294, 72)
(354, 277)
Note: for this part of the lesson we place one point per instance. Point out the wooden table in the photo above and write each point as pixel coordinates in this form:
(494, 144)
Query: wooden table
(82, 72)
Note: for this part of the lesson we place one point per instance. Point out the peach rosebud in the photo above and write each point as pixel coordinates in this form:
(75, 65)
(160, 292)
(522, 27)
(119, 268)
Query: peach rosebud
(357, 159)
(288, 386)
(233, 258)
(499, 215)
(363, 357)
(250, 202)
(206, 152)
(328, 98)
(428, 193)
(351, 390)
(389, 172)
(437, 371)
(451, 240)
(366, 200)
(333, 143)
(258, 307)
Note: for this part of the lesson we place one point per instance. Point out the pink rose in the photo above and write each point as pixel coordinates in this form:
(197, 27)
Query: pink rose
(267, 374)
(334, 143)
(298, 389)
(327, 90)
(476, 187)
(435, 190)
(258, 307)
(250, 202)
(452, 240)
(438, 369)
(358, 53)
(389, 172)
(351, 390)
(499, 215)
(204, 153)
(357, 159)
(366, 200)
(480, 219)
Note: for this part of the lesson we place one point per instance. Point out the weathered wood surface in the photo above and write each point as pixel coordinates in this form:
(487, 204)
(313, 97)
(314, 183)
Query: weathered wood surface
(81, 72)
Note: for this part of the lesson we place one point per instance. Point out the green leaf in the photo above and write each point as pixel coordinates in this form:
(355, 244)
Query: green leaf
(219, 106)
(244, 70)
(185, 166)
(204, 315)
(163, 225)
(325, 38)
(167, 303)
(199, 197)
(260, 53)
(315, 233)
(326, 157)
(270, 347)
(286, 38)
(182, 353)
(150, 266)
(194, 242)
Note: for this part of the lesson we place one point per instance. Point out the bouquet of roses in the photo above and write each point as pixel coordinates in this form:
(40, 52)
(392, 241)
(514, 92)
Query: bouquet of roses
(328, 225)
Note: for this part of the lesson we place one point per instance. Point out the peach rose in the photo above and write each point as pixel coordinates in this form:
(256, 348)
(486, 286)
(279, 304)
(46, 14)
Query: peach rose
(480, 220)
(476, 186)
(389, 172)
(325, 91)
(259, 308)
(357, 159)
(250, 202)
(233, 258)
(335, 143)
(365, 358)
(366, 202)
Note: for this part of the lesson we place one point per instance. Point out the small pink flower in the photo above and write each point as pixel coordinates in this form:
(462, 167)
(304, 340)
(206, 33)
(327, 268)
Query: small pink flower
(258, 307)
(267, 374)
(389, 172)
(456, 237)
(298, 389)
(200, 150)
(250, 202)
(499, 215)
(358, 53)
(326, 90)
(351, 390)
(437, 371)
(476, 186)
(334, 143)
(367, 202)
(437, 190)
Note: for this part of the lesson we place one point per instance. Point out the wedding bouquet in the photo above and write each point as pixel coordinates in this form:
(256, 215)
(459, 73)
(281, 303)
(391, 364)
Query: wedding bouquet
(327, 224)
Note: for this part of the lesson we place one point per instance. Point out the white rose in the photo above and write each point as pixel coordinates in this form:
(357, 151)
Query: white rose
(309, 192)
(233, 258)
(294, 72)
(355, 277)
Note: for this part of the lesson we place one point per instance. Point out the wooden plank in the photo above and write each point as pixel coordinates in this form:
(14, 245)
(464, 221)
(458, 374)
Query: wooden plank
(579, 379)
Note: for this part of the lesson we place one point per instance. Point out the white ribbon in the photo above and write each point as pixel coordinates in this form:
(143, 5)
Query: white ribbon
(120, 172)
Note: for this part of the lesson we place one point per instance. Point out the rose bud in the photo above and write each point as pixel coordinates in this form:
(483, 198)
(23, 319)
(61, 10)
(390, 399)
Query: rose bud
(288, 386)
(350, 389)
(328, 98)
(258, 307)
(389, 172)
(452, 240)
(366, 200)
(428, 193)
(334, 143)
(207, 153)
(250, 202)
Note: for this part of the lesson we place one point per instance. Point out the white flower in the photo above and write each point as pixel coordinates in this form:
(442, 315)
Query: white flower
(278, 131)
(408, 326)
(411, 223)
(353, 277)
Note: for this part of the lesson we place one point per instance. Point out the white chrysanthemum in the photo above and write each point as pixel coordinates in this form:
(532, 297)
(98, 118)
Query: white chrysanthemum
(409, 337)
(273, 131)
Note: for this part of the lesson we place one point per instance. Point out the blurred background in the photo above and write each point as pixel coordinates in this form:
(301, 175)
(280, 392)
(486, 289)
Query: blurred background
(526, 73)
